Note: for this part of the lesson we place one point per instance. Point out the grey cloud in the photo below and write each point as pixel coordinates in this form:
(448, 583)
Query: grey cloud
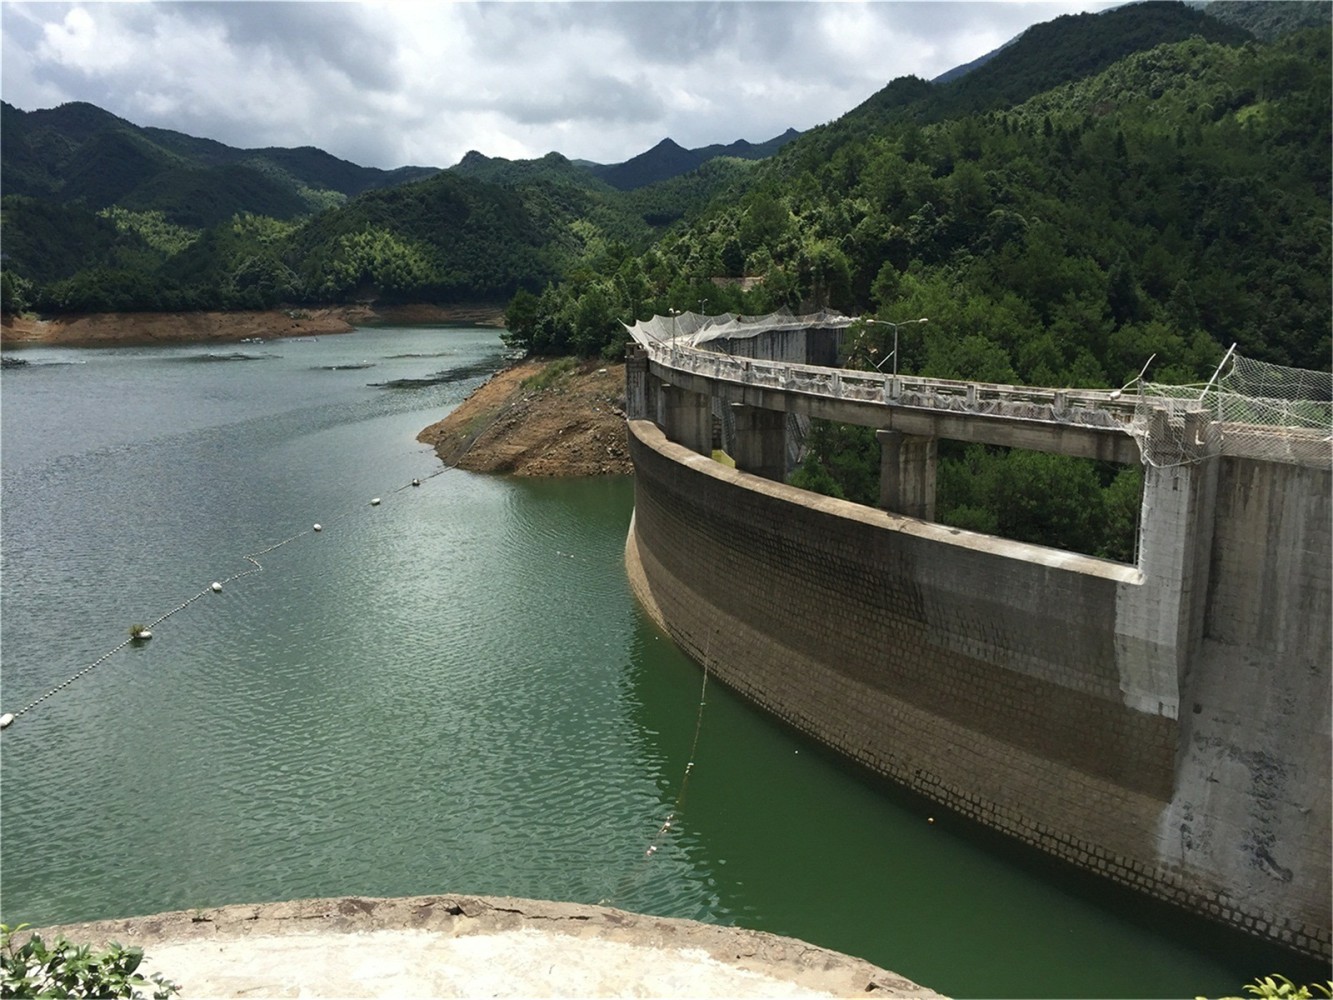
(934, 22)
(340, 36)
(590, 98)
(667, 33)
(601, 80)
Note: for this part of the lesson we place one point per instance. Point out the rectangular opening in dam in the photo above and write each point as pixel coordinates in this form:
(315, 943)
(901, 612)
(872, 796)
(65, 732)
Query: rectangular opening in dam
(1076, 504)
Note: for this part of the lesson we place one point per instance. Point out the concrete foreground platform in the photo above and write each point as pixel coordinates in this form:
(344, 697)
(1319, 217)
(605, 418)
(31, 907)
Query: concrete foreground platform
(475, 946)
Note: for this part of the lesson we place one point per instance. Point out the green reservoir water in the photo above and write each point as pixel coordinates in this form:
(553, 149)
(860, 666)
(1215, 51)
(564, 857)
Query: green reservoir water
(452, 691)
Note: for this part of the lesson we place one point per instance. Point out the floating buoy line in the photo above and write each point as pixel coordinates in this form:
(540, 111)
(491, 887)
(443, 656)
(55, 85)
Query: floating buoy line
(664, 830)
(140, 633)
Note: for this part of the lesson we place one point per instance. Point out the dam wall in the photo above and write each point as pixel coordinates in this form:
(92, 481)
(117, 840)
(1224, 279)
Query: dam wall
(1252, 799)
(1164, 725)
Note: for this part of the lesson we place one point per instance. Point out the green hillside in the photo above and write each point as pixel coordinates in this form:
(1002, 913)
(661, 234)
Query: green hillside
(1150, 209)
(1171, 203)
(79, 154)
(1087, 198)
(1267, 20)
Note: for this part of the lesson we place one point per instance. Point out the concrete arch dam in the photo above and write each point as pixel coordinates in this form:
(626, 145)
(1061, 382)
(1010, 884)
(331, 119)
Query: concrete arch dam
(1165, 725)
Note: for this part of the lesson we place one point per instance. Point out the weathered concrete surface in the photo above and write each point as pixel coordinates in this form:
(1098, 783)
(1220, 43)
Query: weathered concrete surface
(1111, 444)
(1165, 726)
(1251, 808)
(463, 946)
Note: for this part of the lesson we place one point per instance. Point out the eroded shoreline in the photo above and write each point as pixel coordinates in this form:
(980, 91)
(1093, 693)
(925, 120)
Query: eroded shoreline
(540, 417)
(138, 329)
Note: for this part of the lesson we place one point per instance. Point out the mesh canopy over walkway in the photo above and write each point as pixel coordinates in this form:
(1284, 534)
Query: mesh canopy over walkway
(1249, 408)
(690, 329)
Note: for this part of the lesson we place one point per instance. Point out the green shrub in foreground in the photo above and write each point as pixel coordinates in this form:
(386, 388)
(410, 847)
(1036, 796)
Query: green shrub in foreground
(1277, 987)
(64, 969)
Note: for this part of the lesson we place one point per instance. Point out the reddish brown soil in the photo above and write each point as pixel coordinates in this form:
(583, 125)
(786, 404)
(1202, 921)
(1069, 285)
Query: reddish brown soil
(105, 329)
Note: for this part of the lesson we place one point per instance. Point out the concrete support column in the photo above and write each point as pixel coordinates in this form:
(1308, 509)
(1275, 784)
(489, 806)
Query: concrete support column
(638, 386)
(688, 419)
(761, 441)
(1159, 623)
(907, 473)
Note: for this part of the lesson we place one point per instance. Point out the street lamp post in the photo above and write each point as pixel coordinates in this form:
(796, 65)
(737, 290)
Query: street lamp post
(884, 322)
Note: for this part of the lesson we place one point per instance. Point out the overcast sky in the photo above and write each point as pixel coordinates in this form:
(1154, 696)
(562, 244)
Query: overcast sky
(389, 84)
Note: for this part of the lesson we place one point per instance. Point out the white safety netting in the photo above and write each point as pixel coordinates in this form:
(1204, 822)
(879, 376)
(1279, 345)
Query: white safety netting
(688, 329)
(1249, 408)
(1259, 410)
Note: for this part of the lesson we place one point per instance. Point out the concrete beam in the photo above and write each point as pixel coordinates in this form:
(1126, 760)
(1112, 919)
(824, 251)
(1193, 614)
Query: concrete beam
(1109, 444)
(1103, 444)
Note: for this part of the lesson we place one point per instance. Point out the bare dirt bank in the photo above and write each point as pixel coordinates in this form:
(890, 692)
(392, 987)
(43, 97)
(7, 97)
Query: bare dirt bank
(107, 329)
(540, 418)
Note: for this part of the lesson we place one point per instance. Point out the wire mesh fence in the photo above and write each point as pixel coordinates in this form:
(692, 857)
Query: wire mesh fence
(1251, 408)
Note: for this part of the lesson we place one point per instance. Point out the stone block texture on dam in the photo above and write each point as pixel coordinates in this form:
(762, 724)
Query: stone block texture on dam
(1164, 725)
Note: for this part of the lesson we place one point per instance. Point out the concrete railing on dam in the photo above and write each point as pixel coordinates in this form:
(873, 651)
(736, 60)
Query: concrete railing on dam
(1164, 724)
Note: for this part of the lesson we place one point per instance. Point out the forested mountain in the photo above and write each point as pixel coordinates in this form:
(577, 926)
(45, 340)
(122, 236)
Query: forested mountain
(1269, 20)
(78, 153)
(100, 214)
(669, 159)
(1147, 180)
(1158, 204)
(1174, 200)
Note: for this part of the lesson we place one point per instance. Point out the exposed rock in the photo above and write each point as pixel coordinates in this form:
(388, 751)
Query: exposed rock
(155, 327)
(539, 419)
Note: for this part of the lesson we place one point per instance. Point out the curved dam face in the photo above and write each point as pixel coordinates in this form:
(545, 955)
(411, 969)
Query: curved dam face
(1007, 681)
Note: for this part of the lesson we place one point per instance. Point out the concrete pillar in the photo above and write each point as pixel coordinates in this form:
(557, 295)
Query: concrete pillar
(1159, 622)
(761, 441)
(907, 473)
(637, 386)
(687, 418)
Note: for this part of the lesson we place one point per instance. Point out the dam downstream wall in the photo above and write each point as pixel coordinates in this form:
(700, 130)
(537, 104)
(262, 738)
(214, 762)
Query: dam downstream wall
(991, 676)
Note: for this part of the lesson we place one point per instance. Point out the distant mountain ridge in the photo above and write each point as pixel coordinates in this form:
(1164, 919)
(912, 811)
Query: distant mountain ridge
(1045, 55)
(669, 159)
(1267, 20)
(665, 161)
(80, 153)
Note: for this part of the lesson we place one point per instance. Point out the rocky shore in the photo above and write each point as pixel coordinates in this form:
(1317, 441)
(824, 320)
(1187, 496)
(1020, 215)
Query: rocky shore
(537, 418)
(129, 329)
(540, 418)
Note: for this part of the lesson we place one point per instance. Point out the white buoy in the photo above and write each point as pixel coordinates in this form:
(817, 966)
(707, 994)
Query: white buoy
(217, 588)
(416, 482)
(319, 527)
(375, 502)
(6, 719)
